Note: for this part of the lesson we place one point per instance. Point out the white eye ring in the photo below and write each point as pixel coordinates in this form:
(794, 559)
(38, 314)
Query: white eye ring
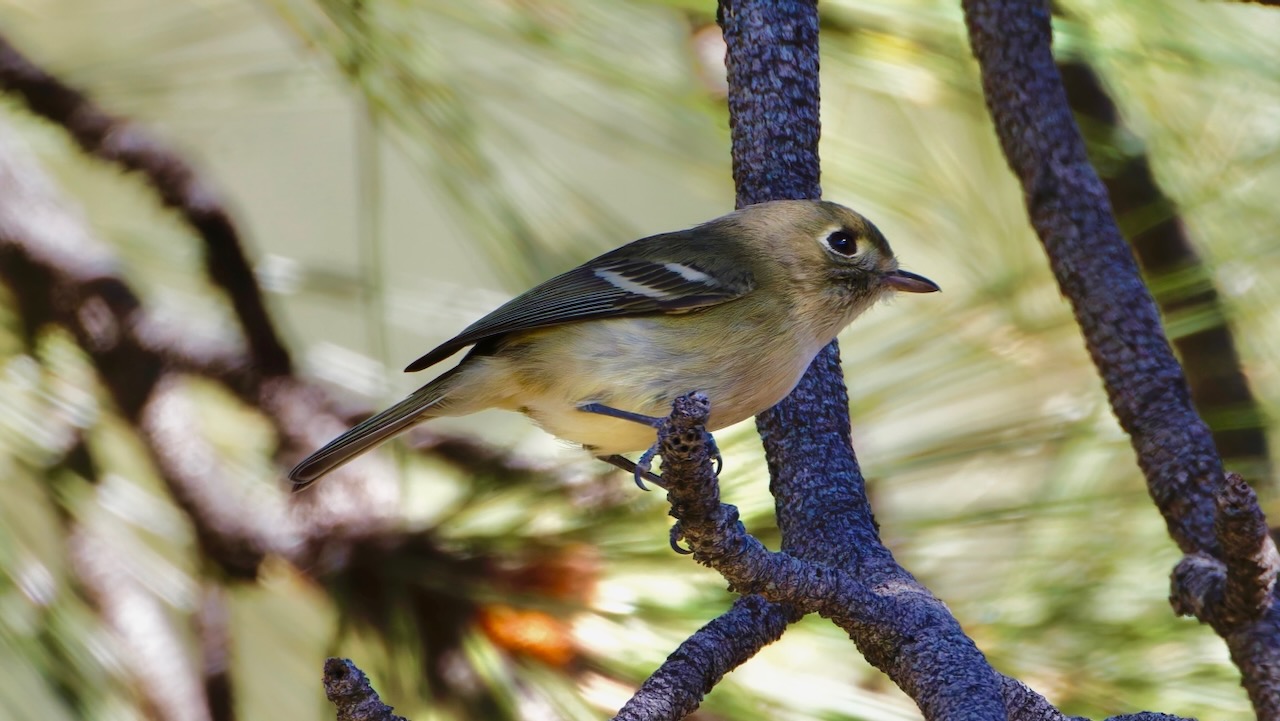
(841, 242)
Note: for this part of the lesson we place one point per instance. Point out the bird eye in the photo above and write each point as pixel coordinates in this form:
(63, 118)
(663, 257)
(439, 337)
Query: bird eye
(843, 242)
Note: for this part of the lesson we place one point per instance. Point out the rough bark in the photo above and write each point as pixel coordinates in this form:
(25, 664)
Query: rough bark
(1227, 579)
(1215, 373)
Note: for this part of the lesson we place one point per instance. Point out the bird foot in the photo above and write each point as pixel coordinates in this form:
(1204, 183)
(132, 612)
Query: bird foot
(640, 470)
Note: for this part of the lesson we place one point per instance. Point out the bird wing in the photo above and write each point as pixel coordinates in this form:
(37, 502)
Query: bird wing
(659, 274)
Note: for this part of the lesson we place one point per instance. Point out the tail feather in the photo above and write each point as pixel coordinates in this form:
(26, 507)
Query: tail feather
(381, 427)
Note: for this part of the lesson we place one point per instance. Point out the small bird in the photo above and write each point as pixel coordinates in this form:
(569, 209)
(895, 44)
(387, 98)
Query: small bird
(737, 308)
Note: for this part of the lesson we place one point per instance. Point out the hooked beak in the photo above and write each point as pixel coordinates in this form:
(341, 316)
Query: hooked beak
(909, 282)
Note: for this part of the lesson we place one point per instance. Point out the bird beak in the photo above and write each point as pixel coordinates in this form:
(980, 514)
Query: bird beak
(908, 282)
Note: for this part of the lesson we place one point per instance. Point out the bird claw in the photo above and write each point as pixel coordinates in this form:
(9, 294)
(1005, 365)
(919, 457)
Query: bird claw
(714, 450)
(676, 534)
(641, 474)
(642, 468)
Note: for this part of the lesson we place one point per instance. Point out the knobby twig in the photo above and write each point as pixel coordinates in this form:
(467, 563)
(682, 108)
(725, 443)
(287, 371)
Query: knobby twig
(1227, 579)
(348, 689)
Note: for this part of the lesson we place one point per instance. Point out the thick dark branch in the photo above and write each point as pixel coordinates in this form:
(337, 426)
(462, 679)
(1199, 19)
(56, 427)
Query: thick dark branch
(1215, 374)
(902, 628)
(1094, 266)
(176, 182)
(772, 60)
(819, 490)
(775, 156)
(1215, 520)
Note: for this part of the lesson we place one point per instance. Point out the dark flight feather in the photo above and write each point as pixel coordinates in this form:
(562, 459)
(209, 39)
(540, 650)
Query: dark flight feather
(658, 274)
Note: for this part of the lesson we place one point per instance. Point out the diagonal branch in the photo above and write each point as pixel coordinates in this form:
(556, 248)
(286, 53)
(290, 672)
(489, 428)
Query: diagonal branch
(1094, 267)
(692, 670)
(1227, 579)
(1215, 373)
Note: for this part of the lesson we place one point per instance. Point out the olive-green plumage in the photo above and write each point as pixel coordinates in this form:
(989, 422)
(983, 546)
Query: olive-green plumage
(736, 308)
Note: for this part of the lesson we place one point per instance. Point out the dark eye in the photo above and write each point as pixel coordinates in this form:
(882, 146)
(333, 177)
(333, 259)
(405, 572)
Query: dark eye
(843, 243)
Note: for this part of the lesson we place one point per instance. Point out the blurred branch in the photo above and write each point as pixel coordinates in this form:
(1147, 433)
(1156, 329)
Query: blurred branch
(213, 626)
(1214, 371)
(60, 274)
(152, 649)
(52, 263)
(133, 148)
(1212, 517)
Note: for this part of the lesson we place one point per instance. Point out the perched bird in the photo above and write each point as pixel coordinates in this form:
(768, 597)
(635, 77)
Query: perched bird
(736, 308)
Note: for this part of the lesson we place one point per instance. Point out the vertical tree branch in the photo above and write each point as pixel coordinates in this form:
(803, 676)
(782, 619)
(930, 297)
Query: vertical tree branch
(819, 490)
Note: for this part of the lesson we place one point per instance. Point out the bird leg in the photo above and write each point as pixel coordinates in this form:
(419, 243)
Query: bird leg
(640, 470)
(601, 409)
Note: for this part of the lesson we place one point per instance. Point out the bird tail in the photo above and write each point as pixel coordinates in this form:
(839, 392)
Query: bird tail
(394, 420)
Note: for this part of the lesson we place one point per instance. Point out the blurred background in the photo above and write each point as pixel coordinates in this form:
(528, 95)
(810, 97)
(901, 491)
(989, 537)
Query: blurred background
(400, 168)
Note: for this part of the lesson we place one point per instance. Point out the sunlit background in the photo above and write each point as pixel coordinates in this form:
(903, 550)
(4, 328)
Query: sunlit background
(399, 169)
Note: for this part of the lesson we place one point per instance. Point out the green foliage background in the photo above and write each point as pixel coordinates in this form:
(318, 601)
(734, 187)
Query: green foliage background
(401, 167)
